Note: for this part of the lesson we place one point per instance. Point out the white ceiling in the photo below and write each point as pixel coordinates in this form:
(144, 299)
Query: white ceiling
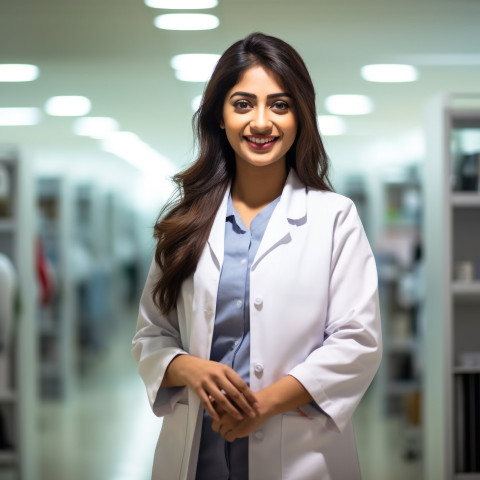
(109, 51)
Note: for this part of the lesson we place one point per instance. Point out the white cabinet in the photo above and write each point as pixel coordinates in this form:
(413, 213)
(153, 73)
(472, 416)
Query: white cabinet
(18, 372)
(452, 309)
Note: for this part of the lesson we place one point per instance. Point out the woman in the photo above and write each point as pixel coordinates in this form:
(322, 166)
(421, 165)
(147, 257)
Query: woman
(259, 327)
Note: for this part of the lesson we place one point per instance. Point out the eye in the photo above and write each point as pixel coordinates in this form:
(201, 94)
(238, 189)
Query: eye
(241, 105)
(280, 105)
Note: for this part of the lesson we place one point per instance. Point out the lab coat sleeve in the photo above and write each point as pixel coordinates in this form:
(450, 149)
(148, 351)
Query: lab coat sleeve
(338, 373)
(156, 343)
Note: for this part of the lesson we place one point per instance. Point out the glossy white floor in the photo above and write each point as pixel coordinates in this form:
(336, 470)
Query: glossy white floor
(107, 432)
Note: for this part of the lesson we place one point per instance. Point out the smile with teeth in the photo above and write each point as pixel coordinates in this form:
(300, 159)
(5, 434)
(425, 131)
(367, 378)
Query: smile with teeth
(264, 141)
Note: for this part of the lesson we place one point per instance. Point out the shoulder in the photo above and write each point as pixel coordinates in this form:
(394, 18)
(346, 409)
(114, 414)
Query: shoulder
(332, 211)
(332, 201)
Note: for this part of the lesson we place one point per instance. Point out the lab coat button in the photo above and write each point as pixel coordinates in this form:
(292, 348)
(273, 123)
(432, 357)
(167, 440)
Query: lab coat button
(258, 302)
(258, 368)
(258, 434)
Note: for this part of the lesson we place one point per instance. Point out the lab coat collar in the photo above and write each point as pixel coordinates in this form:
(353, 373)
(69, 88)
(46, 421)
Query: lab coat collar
(291, 210)
(290, 213)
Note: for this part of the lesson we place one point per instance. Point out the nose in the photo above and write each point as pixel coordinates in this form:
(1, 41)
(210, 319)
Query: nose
(261, 122)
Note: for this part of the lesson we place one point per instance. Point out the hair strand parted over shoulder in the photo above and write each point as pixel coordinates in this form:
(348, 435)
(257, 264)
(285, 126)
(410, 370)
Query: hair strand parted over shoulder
(184, 224)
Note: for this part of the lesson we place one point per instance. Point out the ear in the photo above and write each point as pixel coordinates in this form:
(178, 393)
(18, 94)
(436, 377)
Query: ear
(222, 125)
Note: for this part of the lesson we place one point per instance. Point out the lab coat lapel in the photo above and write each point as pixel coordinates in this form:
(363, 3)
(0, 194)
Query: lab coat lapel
(205, 286)
(216, 238)
(290, 212)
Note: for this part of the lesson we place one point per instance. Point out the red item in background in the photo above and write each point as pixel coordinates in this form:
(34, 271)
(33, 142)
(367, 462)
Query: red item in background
(43, 274)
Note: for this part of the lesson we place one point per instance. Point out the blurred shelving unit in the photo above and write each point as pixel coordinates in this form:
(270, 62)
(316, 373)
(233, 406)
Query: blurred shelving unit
(452, 239)
(94, 285)
(398, 251)
(56, 306)
(355, 188)
(18, 383)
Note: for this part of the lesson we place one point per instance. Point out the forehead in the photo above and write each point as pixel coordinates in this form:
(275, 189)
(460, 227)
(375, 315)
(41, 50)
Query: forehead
(259, 80)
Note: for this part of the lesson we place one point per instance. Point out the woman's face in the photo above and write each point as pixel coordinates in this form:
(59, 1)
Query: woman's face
(259, 118)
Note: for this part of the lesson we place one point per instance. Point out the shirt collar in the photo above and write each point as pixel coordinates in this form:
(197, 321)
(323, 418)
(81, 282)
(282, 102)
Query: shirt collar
(230, 207)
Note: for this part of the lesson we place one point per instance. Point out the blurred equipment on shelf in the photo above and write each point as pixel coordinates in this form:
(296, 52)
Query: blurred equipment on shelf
(7, 313)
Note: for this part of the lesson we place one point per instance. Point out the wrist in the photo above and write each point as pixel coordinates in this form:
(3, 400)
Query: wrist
(175, 372)
(269, 405)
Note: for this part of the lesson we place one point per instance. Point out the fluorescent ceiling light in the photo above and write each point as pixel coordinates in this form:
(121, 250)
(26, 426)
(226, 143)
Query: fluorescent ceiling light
(194, 67)
(131, 148)
(186, 21)
(187, 76)
(331, 125)
(17, 72)
(349, 104)
(389, 73)
(196, 102)
(19, 116)
(95, 127)
(182, 4)
(68, 106)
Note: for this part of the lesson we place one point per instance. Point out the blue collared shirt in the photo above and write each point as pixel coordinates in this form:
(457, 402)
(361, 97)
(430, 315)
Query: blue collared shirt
(231, 337)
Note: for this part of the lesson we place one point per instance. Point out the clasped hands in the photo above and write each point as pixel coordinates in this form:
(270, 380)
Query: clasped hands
(232, 427)
(235, 410)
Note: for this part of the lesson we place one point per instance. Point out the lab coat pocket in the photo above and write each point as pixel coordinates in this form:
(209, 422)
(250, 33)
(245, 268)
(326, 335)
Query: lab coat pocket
(302, 439)
(171, 445)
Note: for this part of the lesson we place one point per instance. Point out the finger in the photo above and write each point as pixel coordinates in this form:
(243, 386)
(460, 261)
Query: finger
(223, 404)
(241, 396)
(243, 388)
(225, 430)
(248, 394)
(207, 405)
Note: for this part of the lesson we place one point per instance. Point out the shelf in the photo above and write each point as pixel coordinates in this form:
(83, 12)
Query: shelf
(8, 457)
(464, 117)
(466, 199)
(401, 387)
(8, 396)
(50, 370)
(7, 225)
(400, 346)
(49, 329)
(465, 370)
(466, 289)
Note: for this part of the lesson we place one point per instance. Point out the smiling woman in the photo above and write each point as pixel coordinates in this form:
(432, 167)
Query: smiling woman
(258, 118)
(259, 327)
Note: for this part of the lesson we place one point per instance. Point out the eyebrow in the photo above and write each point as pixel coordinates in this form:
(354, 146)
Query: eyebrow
(251, 95)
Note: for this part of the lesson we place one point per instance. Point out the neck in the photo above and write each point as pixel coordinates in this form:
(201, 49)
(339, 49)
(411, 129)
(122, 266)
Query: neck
(256, 187)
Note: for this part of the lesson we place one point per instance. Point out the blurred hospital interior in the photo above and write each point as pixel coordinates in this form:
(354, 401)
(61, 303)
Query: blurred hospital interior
(96, 105)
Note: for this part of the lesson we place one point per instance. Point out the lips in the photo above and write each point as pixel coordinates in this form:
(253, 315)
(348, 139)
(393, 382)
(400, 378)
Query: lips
(261, 143)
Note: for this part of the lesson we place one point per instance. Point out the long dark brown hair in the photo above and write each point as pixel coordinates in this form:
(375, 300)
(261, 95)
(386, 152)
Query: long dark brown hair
(184, 224)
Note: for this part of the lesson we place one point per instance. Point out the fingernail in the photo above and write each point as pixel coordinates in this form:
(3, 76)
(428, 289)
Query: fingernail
(252, 414)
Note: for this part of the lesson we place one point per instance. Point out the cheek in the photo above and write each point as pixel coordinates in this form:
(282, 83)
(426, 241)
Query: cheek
(232, 136)
(292, 133)
(233, 128)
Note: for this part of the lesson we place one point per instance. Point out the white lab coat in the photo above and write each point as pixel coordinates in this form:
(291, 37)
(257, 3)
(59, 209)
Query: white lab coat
(313, 314)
